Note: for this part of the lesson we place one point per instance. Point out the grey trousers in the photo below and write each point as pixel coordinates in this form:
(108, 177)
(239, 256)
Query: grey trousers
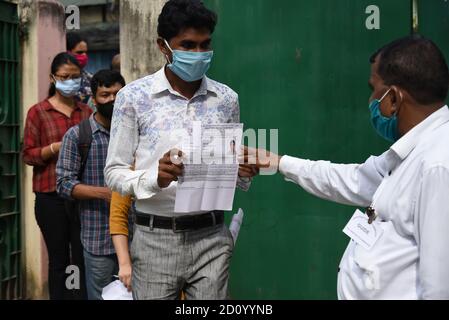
(195, 262)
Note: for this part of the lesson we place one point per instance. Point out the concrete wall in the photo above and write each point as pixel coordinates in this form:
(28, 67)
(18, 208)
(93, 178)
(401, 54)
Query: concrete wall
(94, 14)
(91, 14)
(43, 22)
(139, 52)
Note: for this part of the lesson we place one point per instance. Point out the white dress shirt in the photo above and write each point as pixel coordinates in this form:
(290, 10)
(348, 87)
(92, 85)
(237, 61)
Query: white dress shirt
(149, 119)
(408, 186)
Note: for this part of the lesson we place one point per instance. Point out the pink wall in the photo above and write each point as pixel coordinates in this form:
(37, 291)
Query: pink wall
(51, 40)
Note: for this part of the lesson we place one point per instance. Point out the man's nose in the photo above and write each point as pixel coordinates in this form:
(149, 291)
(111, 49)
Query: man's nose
(200, 49)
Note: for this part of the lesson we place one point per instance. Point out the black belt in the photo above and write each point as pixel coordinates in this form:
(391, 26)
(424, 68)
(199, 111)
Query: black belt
(182, 224)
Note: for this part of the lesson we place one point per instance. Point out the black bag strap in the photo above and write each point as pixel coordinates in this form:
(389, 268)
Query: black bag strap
(84, 142)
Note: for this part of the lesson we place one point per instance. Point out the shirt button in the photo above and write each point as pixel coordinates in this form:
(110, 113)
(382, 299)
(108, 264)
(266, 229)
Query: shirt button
(389, 173)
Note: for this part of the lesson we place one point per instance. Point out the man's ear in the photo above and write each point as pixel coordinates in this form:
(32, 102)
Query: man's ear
(397, 98)
(94, 101)
(163, 47)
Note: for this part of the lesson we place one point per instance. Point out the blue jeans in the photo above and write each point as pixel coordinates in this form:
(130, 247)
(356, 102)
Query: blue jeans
(99, 273)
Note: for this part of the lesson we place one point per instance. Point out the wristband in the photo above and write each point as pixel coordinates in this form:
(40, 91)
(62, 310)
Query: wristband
(51, 148)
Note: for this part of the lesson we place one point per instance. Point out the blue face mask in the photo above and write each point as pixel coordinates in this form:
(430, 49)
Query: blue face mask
(189, 66)
(385, 127)
(68, 88)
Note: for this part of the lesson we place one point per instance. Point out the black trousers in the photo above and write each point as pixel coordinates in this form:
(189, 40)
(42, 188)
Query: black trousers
(61, 230)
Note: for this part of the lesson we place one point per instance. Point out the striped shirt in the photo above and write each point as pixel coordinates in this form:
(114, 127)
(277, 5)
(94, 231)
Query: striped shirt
(94, 214)
(45, 125)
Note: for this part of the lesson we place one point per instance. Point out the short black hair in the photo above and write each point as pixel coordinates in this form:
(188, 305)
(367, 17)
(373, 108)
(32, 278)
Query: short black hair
(417, 65)
(106, 78)
(177, 15)
(73, 39)
(59, 60)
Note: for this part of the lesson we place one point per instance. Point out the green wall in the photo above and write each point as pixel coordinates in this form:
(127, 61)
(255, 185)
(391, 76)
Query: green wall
(434, 23)
(301, 67)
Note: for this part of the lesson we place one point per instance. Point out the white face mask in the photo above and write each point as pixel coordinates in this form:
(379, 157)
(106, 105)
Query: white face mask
(189, 66)
(68, 88)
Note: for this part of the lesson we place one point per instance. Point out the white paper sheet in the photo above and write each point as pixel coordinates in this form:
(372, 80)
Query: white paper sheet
(236, 223)
(210, 168)
(116, 291)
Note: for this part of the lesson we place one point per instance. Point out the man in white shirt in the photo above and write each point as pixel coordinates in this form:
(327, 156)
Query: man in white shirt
(406, 189)
(172, 252)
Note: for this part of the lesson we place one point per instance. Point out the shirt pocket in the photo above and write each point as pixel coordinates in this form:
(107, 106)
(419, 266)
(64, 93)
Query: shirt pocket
(369, 271)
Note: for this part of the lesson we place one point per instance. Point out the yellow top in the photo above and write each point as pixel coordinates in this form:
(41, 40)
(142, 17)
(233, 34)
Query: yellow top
(118, 218)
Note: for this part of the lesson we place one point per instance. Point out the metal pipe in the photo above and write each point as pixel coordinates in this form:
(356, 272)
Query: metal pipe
(415, 16)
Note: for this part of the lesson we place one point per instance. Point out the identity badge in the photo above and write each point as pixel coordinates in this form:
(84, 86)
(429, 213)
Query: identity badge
(362, 232)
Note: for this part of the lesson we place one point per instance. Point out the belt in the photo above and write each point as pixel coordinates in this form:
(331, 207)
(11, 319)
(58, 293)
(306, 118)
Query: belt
(182, 224)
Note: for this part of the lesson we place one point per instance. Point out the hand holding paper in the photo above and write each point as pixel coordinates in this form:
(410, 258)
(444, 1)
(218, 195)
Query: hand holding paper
(210, 169)
(170, 168)
(252, 160)
(116, 291)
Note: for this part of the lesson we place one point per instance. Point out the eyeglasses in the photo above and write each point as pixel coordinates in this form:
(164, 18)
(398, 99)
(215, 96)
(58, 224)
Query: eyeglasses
(67, 77)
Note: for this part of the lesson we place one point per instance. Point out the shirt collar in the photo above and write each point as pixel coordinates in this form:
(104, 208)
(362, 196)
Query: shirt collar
(405, 145)
(162, 84)
(46, 105)
(96, 126)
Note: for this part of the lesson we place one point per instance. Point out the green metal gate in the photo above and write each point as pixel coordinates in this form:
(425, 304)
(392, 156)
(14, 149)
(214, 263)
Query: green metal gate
(10, 244)
(433, 22)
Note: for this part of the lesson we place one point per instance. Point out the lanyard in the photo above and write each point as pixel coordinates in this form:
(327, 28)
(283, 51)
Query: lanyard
(371, 211)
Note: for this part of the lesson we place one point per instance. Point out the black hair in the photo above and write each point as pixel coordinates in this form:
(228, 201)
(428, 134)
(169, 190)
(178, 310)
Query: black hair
(417, 65)
(59, 60)
(106, 78)
(73, 39)
(177, 15)
(115, 65)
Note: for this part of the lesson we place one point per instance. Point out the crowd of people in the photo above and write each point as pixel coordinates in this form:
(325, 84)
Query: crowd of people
(105, 182)
(66, 141)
